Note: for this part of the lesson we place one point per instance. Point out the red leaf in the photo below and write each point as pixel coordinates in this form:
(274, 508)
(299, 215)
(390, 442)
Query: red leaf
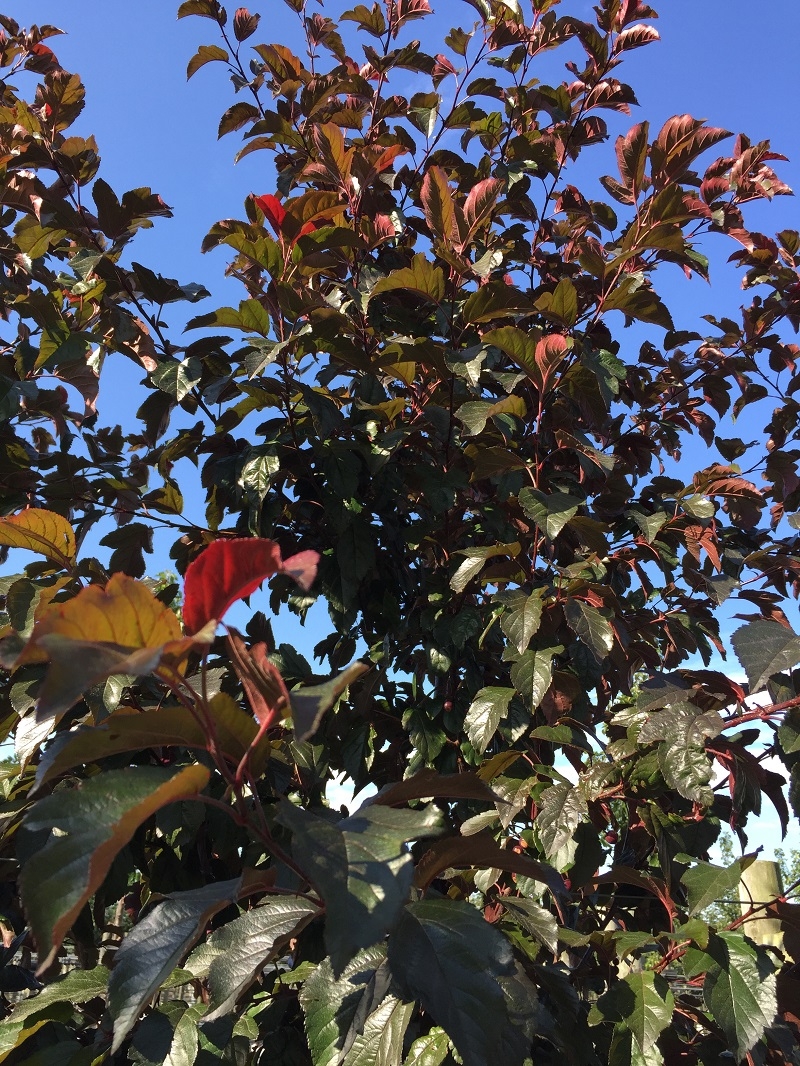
(273, 210)
(550, 352)
(229, 570)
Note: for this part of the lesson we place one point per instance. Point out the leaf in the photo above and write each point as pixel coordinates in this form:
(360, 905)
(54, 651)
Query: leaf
(562, 808)
(229, 570)
(77, 665)
(311, 702)
(739, 990)
(765, 648)
(590, 626)
(178, 378)
(361, 868)
(206, 53)
(522, 616)
(519, 345)
(331, 1005)
(481, 851)
(437, 203)
(532, 675)
(539, 922)
(245, 24)
(484, 714)
(422, 278)
(479, 206)
(87, 827)
(381, 1041)
(430, 1049)
(706, 883)
(651, 1010)
(635, 37)
(154, 947)
(444, 954)
(244, 946)
(476, 559)
(550, 513)
(74, 988)
(124, 613)
(123, 731)
(438, 786)
(632, 157)
(43, 532)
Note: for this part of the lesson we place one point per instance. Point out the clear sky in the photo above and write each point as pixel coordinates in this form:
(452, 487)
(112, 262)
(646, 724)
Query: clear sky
(731, 62)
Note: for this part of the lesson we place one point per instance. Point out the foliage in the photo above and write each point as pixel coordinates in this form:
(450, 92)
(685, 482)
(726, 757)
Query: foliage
(424, 413)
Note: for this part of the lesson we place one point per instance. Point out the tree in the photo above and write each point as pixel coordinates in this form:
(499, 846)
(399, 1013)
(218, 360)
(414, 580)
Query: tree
(424, 412)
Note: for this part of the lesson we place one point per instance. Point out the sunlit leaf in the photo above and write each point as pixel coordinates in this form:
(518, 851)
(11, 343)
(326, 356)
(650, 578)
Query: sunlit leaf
(40, 531)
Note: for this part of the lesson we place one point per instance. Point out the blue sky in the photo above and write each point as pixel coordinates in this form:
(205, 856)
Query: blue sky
(718, 59)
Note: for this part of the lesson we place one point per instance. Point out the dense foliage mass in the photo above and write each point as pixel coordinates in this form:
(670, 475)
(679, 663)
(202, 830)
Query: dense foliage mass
(425, 411)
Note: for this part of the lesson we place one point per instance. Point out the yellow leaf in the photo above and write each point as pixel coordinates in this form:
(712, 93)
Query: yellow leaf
(125, 613)
(44, 532)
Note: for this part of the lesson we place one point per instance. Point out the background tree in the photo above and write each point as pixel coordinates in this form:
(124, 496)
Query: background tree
(431, 419)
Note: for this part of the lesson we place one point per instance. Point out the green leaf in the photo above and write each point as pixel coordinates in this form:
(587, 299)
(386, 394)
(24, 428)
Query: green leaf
(739, 990)
(650, 524)
(361, 867)
(422, 278)
(484, 714)
(532, 675)
(381, 1042)
(540, 923)
(590, 626)
(244, 946)
(87, 827)
(706, 883)
(519, 345)
(562, 808)
(155, 946)
(310, 703)
(476, 559)
(699, 506)
(430, 1049)
(651, 1011)
(550, 513)
(522, 616)
(250, 317)
(177, 379)
(446, 955)
(765, 648)
(331, 1004)
(78, 986)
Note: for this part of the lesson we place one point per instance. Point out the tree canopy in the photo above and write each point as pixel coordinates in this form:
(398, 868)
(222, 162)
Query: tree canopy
(450, 405)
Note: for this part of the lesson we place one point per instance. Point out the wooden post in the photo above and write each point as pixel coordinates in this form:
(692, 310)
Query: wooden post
(761, 882)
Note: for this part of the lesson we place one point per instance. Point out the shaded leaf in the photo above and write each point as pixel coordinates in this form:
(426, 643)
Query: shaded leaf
(481, 851)
(311, 702)
(87, 827)
(361, 867)
(448, 957)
